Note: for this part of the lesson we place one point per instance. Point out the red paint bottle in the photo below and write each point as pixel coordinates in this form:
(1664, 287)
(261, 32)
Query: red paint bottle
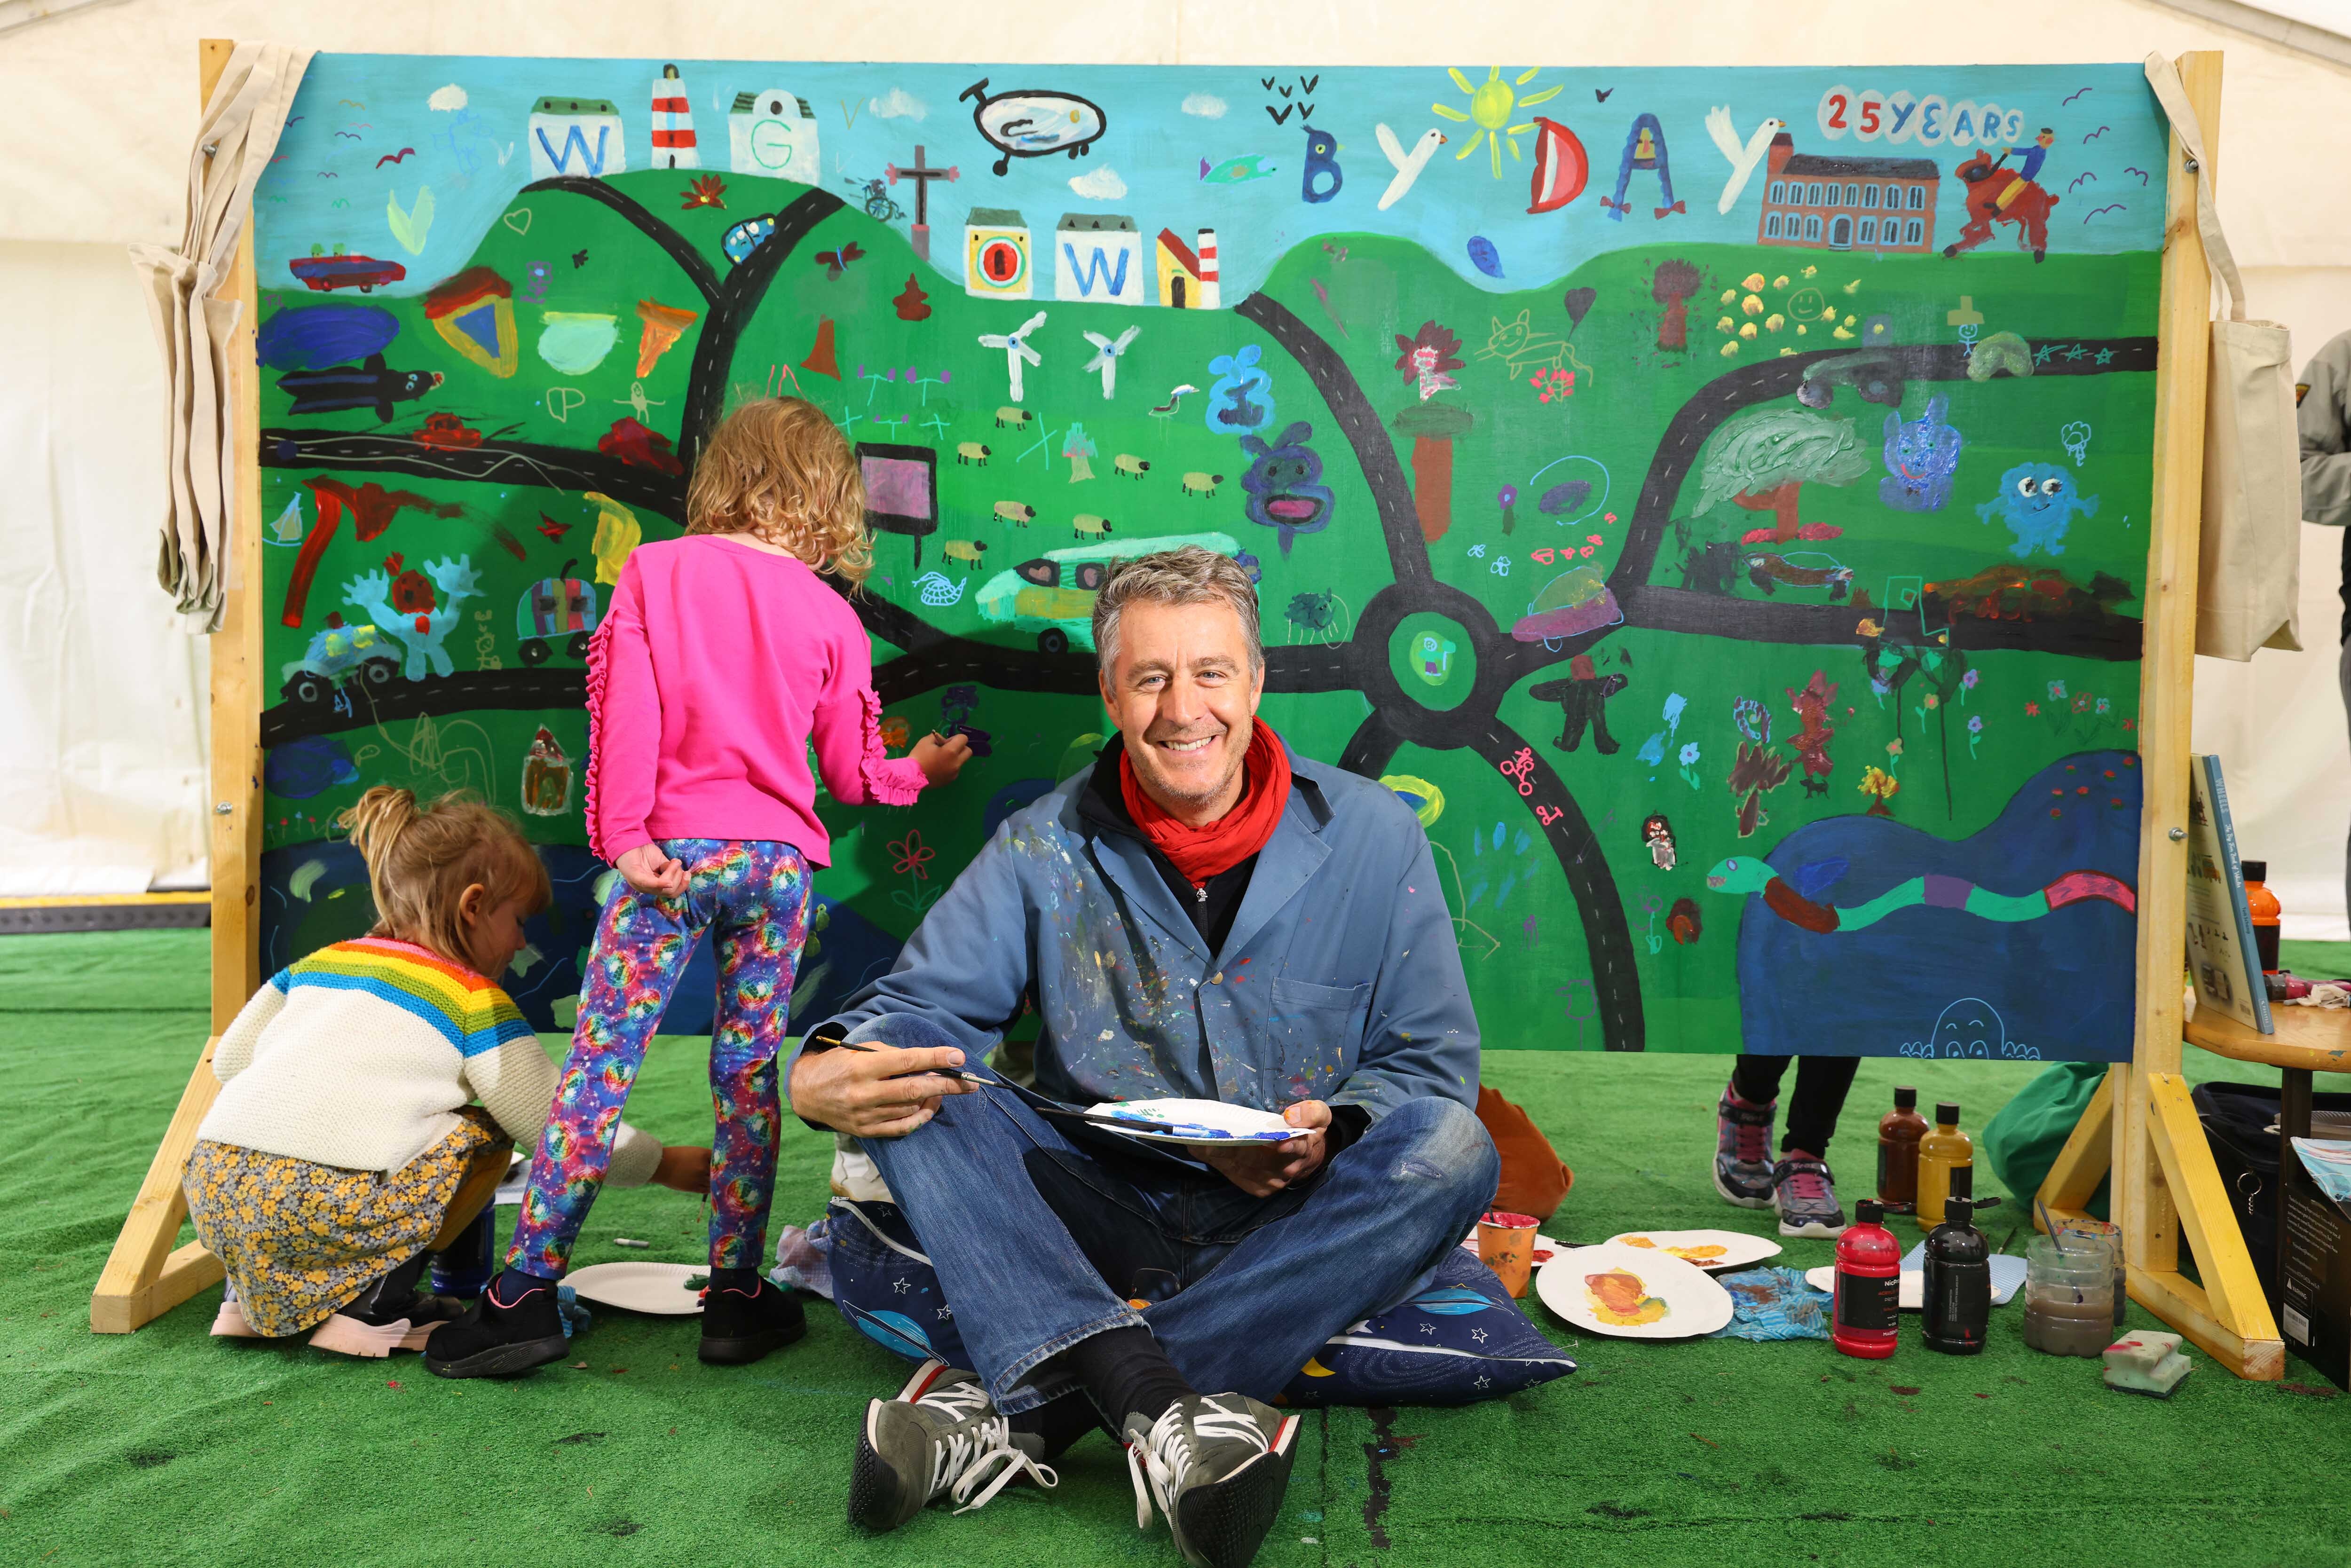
(1868, 1285)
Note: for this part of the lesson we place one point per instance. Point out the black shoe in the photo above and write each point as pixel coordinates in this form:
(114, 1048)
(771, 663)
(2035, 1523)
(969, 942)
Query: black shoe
(744, 1317)
(514, 1327)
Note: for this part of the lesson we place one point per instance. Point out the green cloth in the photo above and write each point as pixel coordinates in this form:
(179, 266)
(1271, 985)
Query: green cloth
(166, 1446)
(2023, 1139)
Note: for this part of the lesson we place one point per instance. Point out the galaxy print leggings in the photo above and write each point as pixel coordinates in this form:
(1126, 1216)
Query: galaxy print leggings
(752, 897)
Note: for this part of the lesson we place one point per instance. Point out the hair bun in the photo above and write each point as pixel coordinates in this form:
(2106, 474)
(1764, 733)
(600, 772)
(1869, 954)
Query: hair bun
(375, 822)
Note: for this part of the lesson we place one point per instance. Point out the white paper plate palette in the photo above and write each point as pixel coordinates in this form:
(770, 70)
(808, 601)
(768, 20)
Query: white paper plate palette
(660, 1288)
(1632, 1292)
(1712, 1250)
(1189, 1122)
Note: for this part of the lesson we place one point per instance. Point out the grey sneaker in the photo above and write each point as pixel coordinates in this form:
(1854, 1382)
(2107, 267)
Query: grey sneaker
(940, 1438)
(1807, 1198)
(1217, 1465)
(1742, 1152)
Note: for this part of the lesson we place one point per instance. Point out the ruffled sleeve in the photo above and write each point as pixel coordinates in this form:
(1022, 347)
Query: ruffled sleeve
(623, 726)
(857, 767)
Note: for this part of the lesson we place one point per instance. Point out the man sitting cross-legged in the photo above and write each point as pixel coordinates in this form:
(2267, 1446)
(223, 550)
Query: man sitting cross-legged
(1203, 913)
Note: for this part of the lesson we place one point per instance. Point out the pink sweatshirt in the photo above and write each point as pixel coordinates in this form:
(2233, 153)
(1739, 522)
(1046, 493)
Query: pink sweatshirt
(714, 666)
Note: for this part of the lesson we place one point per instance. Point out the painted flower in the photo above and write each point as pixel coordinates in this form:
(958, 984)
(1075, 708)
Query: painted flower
(1970, 678)
(2105, 707)
(1933, 701)
(2082, 702)
(893, 732)
(1689, 753)
(2056, 691)
(914, 855)
(1893, 747)
(1432, 350)
(1975, 724)
(2032, 710)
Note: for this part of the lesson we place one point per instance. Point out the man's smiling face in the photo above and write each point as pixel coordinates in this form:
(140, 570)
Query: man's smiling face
(1184, 696)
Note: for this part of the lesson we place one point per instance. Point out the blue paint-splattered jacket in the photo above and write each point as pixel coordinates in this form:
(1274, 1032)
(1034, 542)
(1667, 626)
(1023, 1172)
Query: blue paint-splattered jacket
(1340, 980)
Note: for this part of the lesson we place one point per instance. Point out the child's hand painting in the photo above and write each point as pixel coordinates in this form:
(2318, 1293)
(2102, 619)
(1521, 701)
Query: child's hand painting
(941, 760)
(685, 1167)
(650, 869)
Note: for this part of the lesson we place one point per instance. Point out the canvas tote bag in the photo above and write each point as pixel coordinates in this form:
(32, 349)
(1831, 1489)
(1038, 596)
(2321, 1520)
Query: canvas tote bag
(2248, 578)
(194, 325)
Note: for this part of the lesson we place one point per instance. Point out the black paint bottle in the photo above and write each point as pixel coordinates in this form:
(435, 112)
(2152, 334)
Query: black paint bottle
(1958, 1275)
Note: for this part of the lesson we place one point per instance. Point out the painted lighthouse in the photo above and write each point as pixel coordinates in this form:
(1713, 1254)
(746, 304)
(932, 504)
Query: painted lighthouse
(673, 145)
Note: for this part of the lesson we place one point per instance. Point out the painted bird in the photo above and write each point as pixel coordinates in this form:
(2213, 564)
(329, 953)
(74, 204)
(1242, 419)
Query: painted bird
(1743, 159)
(1408, 165)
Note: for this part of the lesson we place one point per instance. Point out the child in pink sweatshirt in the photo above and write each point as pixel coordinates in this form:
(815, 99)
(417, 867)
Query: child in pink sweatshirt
(723, 656)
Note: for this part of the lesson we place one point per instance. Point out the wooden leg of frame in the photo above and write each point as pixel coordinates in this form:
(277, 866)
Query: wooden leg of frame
(2181, 1302)
(2084, 1160)
(2231, 1290)
(145, 1276)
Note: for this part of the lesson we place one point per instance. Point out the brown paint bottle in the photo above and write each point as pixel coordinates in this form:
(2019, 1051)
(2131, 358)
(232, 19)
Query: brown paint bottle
(1898, 1132)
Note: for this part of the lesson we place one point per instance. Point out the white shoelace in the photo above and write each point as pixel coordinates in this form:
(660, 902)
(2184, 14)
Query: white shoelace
(1155, 1472)
(982, 1453)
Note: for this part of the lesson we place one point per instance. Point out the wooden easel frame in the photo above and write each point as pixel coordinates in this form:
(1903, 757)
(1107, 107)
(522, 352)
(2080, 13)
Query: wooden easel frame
(146, 1276)
(2141, 1125)
(2168, 1179)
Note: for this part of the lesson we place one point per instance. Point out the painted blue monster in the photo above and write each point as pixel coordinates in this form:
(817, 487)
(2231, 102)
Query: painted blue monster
(1240, 400)
(1920, 458)
(2037, 501)
(1284, 484)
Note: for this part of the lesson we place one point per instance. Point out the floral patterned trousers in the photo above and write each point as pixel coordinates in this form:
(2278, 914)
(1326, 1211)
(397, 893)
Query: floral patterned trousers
(752, 897)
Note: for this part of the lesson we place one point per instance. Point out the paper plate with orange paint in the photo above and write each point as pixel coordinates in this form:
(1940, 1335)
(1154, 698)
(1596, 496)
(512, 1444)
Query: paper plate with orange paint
(1632, 1292)
(1712, 1250)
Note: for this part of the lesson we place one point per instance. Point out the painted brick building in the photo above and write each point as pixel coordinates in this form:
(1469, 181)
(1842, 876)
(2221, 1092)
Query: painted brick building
(1847, 204)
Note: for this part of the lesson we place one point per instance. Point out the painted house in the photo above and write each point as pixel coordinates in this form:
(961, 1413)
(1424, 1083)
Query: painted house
(577, 136)
(673, 143)
(1099, 256)
(997, 263)
(1847, 204)
(1188, 274)
(774, 133)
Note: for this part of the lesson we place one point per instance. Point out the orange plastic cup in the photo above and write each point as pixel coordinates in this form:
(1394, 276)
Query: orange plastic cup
(1506, 1244)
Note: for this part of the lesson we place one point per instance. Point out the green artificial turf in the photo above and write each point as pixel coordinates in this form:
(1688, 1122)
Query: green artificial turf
(165, 1446)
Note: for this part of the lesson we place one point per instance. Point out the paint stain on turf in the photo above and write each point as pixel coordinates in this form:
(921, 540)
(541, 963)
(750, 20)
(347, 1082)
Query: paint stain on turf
(150, 1461)
(622, 1528)
(578, 1437)
(1386, 1445)
(1617, 1510)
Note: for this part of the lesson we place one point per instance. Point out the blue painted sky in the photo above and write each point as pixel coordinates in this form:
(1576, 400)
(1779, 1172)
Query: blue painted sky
(332, 180)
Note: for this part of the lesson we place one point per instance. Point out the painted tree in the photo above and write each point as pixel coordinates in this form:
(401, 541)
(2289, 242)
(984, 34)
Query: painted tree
(1763, 461)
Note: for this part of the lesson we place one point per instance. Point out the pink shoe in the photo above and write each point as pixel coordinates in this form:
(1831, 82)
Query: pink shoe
(229, 1321)
(347, 1336)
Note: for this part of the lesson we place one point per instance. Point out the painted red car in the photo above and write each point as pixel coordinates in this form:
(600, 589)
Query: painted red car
(326, 273)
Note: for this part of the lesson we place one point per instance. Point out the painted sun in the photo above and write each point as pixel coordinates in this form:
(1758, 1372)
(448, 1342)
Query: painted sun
(1491, 103)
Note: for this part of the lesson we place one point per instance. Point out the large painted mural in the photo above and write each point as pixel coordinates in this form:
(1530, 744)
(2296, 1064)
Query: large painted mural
(1715, 500)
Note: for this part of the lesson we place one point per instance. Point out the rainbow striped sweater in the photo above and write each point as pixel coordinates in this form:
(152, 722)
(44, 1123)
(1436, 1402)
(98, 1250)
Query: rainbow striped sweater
(359, 1055)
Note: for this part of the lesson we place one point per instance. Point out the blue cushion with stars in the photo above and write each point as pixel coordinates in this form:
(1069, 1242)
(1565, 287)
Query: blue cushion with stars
(1459, 1339)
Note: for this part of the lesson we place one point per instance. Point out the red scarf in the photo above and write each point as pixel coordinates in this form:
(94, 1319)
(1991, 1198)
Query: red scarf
(1203, 852)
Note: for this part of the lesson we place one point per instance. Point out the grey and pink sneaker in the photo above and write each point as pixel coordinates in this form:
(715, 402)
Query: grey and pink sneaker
(1743, 1151)
(1806, 1195)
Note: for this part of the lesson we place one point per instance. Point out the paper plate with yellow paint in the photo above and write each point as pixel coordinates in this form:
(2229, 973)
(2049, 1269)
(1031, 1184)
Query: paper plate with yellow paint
(1632, 1292)
(1712, 1250)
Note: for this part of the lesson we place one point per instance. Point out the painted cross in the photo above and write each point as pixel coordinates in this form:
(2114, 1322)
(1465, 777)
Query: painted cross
(1015, 348)
(1105, 357)
(922, 175)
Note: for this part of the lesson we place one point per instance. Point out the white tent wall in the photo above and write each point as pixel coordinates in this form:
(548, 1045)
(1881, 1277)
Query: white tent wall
(98, 687)
(101, 695)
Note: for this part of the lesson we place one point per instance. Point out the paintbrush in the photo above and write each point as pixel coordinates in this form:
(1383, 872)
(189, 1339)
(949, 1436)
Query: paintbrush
(955, 1073)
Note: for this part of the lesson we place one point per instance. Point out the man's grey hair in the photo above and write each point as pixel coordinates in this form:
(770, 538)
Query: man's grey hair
(1191, 575)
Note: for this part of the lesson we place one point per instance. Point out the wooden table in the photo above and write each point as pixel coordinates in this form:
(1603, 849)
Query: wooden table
(2227, 1315)
(2308, 1040)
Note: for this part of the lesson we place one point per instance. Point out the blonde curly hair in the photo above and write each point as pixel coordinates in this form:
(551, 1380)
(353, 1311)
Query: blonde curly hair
(780, 470)
(421, 859)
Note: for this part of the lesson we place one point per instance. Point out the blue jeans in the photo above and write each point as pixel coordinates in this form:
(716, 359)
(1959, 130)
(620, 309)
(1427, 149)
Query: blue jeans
(1043, 1238)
